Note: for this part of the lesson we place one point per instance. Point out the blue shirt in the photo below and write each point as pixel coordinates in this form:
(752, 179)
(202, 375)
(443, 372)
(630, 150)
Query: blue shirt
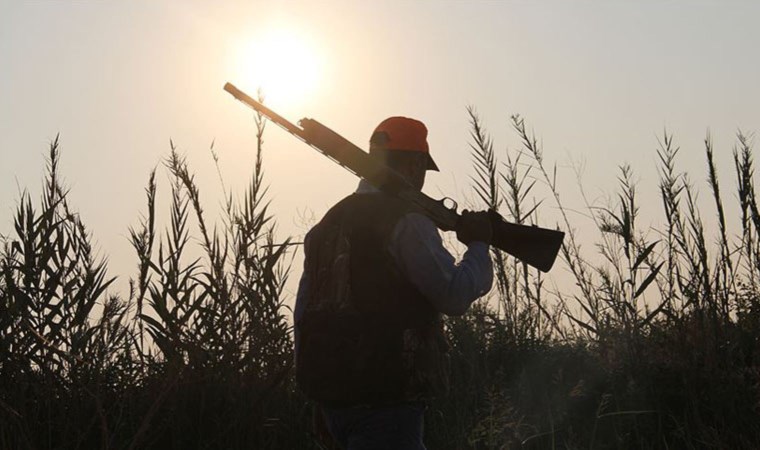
(417, 249)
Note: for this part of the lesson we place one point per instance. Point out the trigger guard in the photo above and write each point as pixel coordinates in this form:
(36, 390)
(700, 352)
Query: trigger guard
(451, 202)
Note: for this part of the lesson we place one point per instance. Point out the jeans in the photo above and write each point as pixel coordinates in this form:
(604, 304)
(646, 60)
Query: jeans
(390, 427)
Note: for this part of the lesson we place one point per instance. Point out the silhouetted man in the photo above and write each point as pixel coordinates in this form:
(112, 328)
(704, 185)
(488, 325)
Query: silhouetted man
(369, 336)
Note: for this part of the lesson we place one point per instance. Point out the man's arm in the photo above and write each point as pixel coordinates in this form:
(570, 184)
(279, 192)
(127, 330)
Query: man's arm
(417, 248)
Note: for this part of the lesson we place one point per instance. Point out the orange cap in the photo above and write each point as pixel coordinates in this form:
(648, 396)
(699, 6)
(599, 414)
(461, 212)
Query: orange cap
(402, 134)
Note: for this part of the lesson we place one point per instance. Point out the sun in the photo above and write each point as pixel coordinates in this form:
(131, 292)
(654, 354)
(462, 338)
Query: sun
(282, 62)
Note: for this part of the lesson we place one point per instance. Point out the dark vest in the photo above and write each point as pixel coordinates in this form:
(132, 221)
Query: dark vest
(367, 335)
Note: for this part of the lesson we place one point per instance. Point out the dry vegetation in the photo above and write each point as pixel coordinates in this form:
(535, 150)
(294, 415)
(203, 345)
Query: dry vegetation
(198, 354)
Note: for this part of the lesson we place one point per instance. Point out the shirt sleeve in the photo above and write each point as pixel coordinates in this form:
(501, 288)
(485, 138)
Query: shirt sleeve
(418, 250)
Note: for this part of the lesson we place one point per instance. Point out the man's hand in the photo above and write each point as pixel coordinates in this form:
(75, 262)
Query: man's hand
(474, 226)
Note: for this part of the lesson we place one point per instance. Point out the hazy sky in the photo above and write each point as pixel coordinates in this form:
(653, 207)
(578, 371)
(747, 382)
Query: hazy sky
(598, 81)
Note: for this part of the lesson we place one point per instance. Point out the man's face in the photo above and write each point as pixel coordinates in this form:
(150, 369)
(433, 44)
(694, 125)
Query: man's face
(414, 172)
(412, 165)
(419, 180)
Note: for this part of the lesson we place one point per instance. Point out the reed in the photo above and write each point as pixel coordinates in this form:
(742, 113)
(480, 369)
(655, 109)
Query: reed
(655, 345)
(654, 348)
(198, 353)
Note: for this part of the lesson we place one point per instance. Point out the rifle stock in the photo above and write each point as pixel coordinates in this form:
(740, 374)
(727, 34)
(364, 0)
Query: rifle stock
(535, 246)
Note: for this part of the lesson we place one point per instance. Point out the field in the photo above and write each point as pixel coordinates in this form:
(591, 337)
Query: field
(198, 353)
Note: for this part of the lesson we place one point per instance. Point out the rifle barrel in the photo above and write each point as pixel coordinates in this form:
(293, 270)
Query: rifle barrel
(261, 109)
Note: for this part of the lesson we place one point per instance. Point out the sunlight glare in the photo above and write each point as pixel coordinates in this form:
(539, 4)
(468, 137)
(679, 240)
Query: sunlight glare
(282, 63)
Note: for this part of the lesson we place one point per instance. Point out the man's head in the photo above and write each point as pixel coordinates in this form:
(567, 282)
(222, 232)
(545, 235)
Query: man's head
(401, 143)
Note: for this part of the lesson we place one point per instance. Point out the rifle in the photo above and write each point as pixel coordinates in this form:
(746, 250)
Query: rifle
(535, 246)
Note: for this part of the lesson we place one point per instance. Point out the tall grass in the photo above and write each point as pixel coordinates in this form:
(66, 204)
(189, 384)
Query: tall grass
(197, 355)
(655, 346)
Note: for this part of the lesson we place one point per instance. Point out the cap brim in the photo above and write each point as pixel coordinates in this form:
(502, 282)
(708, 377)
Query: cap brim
(431, 165)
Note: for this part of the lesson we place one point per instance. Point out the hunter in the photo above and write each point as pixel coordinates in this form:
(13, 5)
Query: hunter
(370, 347)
